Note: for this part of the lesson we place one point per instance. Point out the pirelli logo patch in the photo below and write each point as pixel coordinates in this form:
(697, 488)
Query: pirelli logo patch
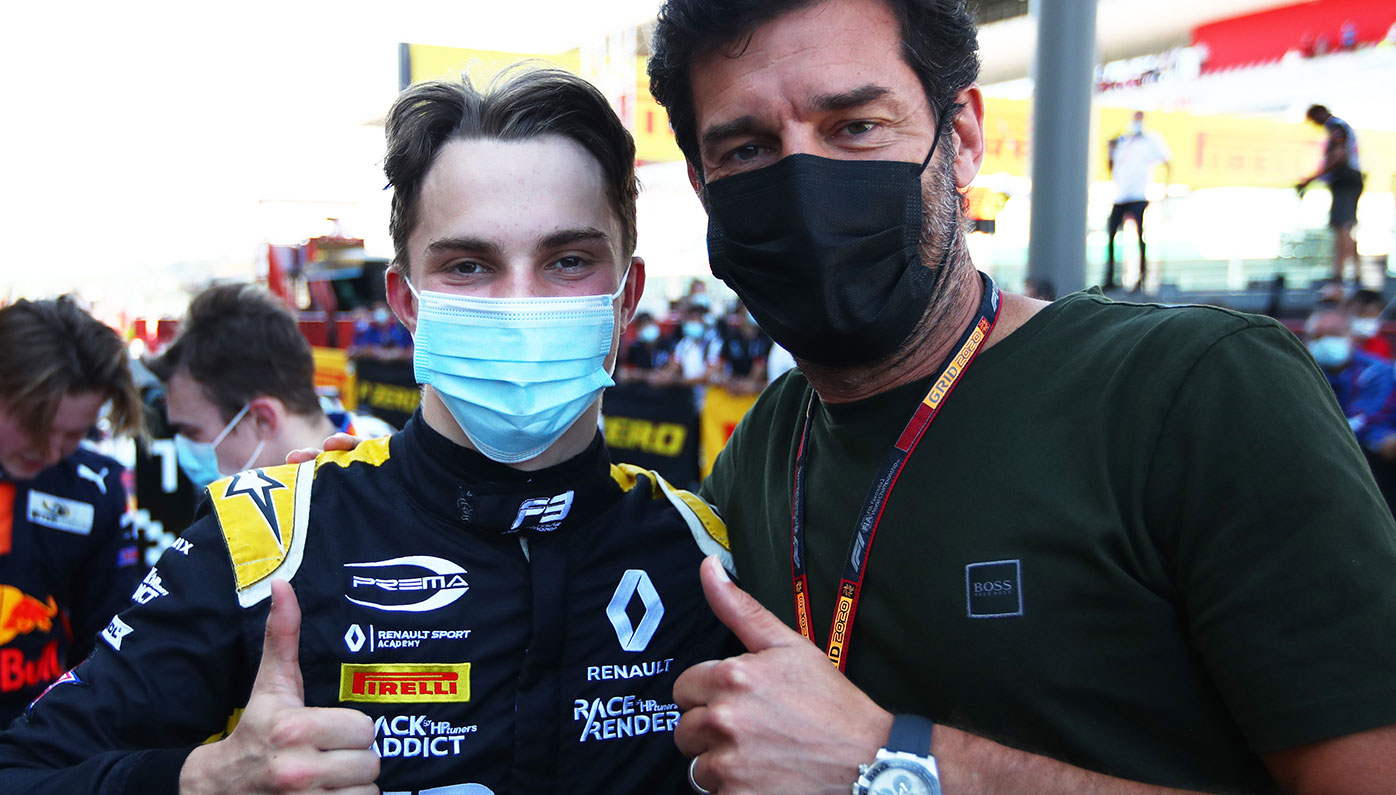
(404, 683)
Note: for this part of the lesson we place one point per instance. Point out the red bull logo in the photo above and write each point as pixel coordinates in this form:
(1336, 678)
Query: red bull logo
(18, 672)
(21, 614)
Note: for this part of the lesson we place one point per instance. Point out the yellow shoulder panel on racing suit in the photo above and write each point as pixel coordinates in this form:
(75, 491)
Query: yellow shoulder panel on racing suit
(263, 515)
(708, 529)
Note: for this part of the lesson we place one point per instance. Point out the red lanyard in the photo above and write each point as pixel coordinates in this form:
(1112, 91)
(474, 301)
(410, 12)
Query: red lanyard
(860, 546)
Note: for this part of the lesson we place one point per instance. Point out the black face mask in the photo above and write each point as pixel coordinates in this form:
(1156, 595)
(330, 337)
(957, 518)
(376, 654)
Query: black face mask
(824, 253)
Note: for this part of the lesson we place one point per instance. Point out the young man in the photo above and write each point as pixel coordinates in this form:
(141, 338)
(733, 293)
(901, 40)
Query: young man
(240, 386)
(66, 561)
(1341, 170)
(1095, 543)
(496, 608)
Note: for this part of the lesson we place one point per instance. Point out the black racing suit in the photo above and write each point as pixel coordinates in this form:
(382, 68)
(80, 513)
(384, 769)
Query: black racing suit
(67, 565)
(508, 631)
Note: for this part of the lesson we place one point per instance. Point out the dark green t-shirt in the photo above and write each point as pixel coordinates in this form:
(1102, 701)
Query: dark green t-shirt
(1141, 540)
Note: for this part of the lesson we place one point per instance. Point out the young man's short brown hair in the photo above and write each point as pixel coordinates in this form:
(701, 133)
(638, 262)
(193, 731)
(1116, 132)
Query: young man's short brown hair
(53, 348)
(241, 342)
(522, 103)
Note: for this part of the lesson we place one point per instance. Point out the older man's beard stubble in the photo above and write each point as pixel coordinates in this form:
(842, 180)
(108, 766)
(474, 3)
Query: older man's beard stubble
(942, 237)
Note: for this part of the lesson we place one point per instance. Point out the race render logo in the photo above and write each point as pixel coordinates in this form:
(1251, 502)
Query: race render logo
(357, 640)
(433, 583)
(404, 683)
(622, 716)
(416, 737)
(543, 514)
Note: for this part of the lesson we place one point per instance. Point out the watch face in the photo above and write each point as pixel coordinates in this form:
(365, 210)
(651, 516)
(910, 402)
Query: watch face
(891, 778)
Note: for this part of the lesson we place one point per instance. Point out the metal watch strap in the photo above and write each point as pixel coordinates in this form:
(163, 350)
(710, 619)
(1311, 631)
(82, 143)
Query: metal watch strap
(910, 734)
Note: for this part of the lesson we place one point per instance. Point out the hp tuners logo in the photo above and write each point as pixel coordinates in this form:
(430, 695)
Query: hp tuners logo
(415, 583)
(635, 583)
(544, 514)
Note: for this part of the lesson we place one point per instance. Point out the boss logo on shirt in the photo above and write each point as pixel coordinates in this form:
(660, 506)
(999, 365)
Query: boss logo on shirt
(994, 589)
(404, 683)
(543, 514)
(72, 516)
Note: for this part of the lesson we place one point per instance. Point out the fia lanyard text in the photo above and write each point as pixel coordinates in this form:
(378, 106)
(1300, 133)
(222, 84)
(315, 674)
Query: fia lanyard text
(860, 546)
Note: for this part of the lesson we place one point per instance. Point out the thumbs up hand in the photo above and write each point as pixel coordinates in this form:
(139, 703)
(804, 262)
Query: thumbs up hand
(778, 719)
(280, 745)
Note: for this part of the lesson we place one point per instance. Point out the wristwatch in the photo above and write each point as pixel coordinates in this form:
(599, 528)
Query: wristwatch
(905, 765)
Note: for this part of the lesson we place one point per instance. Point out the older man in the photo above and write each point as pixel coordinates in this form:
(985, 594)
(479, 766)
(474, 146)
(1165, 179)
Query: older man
(1097, 547)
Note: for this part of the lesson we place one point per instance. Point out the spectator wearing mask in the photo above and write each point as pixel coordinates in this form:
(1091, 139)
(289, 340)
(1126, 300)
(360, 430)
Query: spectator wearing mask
(695, 350)
(697, 296)
(382, 337)
(741, 359)
(647, 353)
(66, 561)
(1366, 307)
(1363, 383)
(240, 386)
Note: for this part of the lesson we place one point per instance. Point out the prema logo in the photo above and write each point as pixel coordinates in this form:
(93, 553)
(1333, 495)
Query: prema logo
(635, 582)
(544, 514)
(433, 583)
(404, 683)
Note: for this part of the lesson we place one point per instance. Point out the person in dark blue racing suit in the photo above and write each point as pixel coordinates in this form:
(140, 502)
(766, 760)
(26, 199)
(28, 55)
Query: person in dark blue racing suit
(490, 606)
(67, 563)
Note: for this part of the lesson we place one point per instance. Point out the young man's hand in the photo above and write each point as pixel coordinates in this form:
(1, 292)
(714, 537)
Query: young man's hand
(280, 745)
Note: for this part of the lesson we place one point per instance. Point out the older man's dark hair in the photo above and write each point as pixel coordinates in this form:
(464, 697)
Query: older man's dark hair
(939, 43)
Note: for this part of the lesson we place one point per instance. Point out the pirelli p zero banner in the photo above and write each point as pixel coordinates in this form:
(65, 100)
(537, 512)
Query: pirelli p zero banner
(387, 390)
(654, 428)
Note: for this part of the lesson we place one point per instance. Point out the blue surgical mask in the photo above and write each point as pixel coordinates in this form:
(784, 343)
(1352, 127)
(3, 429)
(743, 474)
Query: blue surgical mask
(199, 460)
(649, 334)
(380, 316)
(514, 372)
(693, 329)
(1331, 353)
